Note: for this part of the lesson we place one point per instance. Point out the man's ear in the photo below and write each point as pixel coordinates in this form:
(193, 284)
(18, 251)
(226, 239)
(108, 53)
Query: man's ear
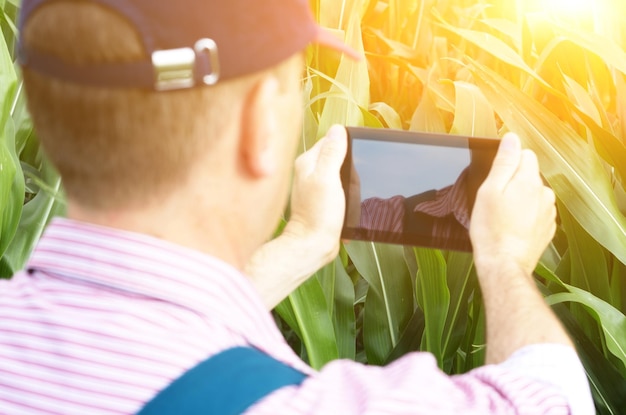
(259, 129)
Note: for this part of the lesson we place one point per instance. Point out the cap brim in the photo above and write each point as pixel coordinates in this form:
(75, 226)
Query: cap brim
(326, 38)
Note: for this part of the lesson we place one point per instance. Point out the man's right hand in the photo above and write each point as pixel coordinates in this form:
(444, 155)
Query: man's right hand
(514, 215)
(512, 223)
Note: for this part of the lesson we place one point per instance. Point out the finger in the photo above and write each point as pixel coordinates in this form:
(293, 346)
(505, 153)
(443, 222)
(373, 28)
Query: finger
(305, 163)
(506, 162)
(549, 195)
(529, 161)
(333, 149)
(550, 200)
(528, 171)
(327, 153)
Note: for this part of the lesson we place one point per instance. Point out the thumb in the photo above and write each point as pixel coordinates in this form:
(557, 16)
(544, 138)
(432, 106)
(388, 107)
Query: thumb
(333, 149)
(506, 161)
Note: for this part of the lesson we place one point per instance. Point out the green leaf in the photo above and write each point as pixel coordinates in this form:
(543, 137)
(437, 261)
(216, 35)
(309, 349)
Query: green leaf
(35, 216)
(11, 179)
(388, 114)
(427, 117)
(589, 268)
(351, 79)
(333, 13)
(433, 296)
(411, 337)
(314, 323)
(492, 45)
(569, 164)
(396, 49)
(389, 301)
(339, 293)
(608, 386)
(606, 48)
(612, 321)
(582, 100)
(462, 283)
(285, 310)
(507, 27)
(618, 285)
(473, 114)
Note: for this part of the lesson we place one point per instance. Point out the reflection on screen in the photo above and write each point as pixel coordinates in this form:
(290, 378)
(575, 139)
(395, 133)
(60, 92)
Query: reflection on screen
(388, 169)
(413, 188)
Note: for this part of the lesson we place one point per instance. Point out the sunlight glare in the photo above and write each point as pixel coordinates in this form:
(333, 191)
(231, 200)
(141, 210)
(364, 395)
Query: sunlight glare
(572, 8)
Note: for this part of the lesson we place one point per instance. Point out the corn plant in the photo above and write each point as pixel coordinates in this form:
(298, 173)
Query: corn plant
(475, 67)
(479, 68)
(29, 186)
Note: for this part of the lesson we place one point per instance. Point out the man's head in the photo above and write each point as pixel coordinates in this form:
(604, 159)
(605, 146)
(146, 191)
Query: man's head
(95, 72)
(134, 100)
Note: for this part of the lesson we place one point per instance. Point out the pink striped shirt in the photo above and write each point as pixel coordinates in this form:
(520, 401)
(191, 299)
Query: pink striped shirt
(101, 320)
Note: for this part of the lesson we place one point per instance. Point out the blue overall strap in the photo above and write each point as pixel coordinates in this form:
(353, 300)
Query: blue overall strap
(226, 383)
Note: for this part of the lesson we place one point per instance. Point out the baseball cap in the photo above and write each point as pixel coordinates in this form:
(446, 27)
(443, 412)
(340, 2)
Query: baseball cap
(191, 43)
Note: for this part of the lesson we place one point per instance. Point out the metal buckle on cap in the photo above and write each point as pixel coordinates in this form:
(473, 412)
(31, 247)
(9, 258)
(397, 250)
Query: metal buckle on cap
(210, 47)
(174, 68)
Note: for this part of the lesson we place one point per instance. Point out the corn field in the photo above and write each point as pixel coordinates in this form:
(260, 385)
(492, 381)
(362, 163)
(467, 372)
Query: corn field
(553, 71)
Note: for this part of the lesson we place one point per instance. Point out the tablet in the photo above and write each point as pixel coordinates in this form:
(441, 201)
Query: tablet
(413, 188)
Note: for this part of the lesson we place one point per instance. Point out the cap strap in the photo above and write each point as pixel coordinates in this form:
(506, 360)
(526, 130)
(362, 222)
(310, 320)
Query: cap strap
(176, 68)
(166, 70)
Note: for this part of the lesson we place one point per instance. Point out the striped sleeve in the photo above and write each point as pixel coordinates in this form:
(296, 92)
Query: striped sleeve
(540, 380)
(383, 214)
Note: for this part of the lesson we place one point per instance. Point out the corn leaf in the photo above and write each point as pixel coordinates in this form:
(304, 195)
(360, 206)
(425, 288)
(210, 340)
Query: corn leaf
(506, 27)
(354, 77)
(492, 45)
(339, 293)
(571, 167)
(473, 115)
(35, 216)
(11, 178)
(388, 114)
(411, 337)
(612, 321)
(582, 100)
(589, 268)
(462, 284)
(607, 384)
(427, 117)
(389, 301)
(433, 296)
(310, 312)
(604, 47)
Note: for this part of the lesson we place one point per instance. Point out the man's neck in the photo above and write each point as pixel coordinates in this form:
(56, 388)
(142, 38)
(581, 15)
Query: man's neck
(216, 236)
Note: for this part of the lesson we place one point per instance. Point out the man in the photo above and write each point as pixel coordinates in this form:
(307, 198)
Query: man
(174, 127)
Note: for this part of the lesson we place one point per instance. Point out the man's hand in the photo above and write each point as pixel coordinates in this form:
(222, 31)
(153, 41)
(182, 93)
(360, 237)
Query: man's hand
(310, 239)
(317, 198)
(514, 214)
(512, 223)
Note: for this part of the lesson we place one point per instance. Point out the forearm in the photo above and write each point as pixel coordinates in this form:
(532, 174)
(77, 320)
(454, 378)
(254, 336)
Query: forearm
(282, 264)
(516, 313)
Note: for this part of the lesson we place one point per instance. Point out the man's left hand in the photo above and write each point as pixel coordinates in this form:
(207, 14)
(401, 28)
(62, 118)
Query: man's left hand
(310, 239)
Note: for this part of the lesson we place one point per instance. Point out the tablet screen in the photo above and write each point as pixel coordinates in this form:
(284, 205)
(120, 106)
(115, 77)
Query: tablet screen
(413, 188)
